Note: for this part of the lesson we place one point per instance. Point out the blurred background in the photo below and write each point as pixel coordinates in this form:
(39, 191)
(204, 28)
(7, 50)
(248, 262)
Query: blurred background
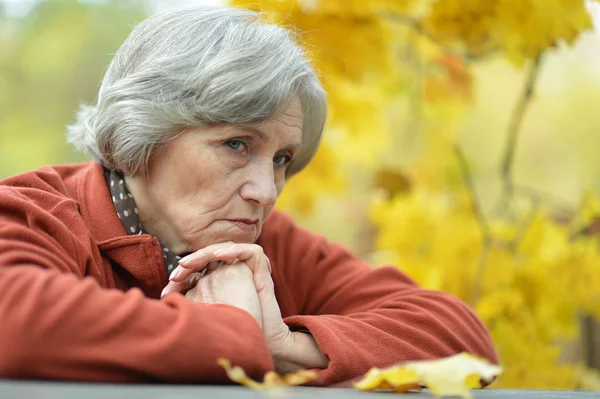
(461, 146)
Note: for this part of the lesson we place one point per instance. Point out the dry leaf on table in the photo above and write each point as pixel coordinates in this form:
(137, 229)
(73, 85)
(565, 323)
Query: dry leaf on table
(271, 380)
(450, 376)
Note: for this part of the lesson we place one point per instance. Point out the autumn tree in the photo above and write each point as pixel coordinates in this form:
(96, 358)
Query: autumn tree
(529, 265)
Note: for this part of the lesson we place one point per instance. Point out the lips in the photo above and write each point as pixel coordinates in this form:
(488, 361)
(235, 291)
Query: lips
(248, 225)
(247, 221)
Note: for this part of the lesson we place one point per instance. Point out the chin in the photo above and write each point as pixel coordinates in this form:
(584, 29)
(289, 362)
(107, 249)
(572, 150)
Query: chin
(239, 232)
(239, 238)
(217, 237)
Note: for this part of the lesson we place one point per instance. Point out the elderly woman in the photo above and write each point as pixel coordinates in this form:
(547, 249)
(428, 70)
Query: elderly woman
(165, 253)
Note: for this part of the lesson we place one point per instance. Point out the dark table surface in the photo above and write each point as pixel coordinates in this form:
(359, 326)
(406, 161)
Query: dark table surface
(54, 390)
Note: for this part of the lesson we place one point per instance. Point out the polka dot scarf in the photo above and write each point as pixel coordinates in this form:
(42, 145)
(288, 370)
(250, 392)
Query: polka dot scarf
(128, 212)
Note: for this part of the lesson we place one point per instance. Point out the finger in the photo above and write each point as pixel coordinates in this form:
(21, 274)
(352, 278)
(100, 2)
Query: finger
(212, 266)
(181, 286)
(252, 254)
(269, 264)
(196, 262)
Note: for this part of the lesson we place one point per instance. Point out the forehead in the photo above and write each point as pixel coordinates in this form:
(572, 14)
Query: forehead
(286, 124)
(290, 116)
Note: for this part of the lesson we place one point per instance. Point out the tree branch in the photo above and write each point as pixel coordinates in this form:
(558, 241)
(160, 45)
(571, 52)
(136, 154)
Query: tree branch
(525, 224)
(467, 176)
(481, 263)
(515, 127)
(413, 127)
(418, 27)
(481, 220)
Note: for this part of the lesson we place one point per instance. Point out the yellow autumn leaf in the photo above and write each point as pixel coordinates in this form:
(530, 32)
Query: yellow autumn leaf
(271, 380)
(398, 378)
(522, 30)
(450, 376)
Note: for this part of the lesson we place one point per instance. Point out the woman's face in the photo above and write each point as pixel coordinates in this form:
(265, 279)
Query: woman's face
(218, 183)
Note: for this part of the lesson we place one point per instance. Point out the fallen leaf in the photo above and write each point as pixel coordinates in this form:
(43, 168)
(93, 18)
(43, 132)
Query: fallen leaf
(450, 376)
(271, 380)
(397, 378)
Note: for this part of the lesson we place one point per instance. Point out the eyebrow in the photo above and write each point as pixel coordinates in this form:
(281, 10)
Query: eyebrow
(264, 138)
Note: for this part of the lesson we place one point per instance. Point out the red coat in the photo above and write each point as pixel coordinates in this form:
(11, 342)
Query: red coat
(79, 297)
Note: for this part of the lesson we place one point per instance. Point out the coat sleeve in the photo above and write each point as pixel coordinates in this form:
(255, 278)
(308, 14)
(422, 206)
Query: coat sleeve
(57, 324)
(363, 317)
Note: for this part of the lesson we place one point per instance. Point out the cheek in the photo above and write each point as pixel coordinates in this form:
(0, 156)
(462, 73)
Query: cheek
(279, 187)
(208, 178)
(280, 182)
(213, 193)
(205, 181)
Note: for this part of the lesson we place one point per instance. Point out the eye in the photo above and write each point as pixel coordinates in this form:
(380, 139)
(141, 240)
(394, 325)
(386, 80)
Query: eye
(282, 160)
(236, 145)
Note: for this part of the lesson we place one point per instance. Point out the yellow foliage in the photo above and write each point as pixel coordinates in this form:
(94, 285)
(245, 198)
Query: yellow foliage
(530, 297)
(358, 126)
(528, 277)
(322, 177)
(344, 38)
(425, 234)
(521, 30)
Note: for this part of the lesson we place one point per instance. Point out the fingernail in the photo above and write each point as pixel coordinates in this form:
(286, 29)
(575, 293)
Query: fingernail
(164, 291)
(222, 251)
(184, 260)
(175, 273)
(218, 252)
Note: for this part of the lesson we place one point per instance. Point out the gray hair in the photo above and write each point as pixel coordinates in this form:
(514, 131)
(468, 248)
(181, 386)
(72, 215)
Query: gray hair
(193, 67)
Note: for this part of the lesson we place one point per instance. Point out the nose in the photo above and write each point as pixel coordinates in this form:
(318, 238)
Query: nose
(260, 184)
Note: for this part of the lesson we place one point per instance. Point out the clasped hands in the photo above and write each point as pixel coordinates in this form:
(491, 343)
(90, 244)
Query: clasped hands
(240, 275)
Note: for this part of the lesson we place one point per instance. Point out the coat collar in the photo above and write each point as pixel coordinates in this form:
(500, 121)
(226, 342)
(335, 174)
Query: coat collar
(139, 256)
